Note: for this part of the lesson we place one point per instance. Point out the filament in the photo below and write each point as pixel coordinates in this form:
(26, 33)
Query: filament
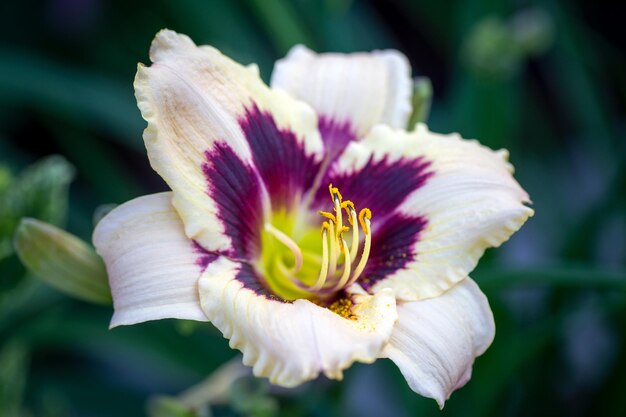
(365, 224)
(321, 279)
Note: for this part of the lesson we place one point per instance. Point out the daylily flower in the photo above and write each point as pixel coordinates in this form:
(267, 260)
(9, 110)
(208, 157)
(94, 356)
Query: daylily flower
(304, 222)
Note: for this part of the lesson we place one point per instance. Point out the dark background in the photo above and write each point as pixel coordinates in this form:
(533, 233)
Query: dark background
(545, 79)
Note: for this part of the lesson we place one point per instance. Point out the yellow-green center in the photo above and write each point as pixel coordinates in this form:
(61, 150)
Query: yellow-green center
(299, 261)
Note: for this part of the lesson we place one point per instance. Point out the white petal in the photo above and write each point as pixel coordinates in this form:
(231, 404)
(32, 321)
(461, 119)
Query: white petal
(152, 266)
(360, 88)
(435, 341)
(465, 194)
(292, 342)
(194, 98)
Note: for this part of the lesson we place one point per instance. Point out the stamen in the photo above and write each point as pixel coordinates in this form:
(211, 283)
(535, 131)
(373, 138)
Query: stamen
(354, 247)
(334, 255)
(334, 192)
(327, 282)
(287, 241)
(340, 237)
(347, 266)
(364, 218)
(348, 206)
(329, 216)
(363, 215)
(321, 279)
(336, 196)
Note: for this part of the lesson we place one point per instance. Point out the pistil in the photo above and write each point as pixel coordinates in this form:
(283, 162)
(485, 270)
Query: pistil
(340, 263)
(287, 241)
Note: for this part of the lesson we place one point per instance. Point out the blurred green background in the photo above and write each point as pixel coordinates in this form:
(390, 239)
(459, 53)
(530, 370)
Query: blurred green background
(545, 79)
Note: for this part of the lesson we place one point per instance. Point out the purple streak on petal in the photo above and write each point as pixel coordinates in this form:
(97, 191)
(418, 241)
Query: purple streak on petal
(205, 257)
(336, 135)
(251, 280)
(281, 160)
(392, 245)
(380, 185)
(247, 275)
(235, 188)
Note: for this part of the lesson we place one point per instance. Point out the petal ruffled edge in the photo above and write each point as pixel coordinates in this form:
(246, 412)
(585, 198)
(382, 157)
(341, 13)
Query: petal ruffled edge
(153, 268)
(199, 103)
(292, 342)
(435, 341)
(438, 202)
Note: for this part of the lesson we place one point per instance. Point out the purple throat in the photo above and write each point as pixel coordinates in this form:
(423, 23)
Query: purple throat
(282, 168)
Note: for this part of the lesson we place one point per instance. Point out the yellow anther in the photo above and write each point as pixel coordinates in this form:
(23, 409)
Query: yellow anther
(335, 248)
(365, 214)
(334, 193)
(325, 227)
(329, 216)
(340, 236)
(341, 264)
(348, 206)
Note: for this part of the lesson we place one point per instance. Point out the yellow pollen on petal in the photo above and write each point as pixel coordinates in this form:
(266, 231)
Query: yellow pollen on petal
(343, 307)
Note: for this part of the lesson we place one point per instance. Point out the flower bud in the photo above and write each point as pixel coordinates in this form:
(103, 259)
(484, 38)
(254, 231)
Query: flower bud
(62, 260)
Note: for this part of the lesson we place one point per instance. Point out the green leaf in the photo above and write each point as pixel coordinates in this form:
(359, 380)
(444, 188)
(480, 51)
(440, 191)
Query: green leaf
(62, 260)
(40, 191)
(13, 371)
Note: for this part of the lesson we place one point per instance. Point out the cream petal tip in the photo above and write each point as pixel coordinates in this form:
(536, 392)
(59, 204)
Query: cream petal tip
(436, 341)
(204, 112)
(167, 41)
